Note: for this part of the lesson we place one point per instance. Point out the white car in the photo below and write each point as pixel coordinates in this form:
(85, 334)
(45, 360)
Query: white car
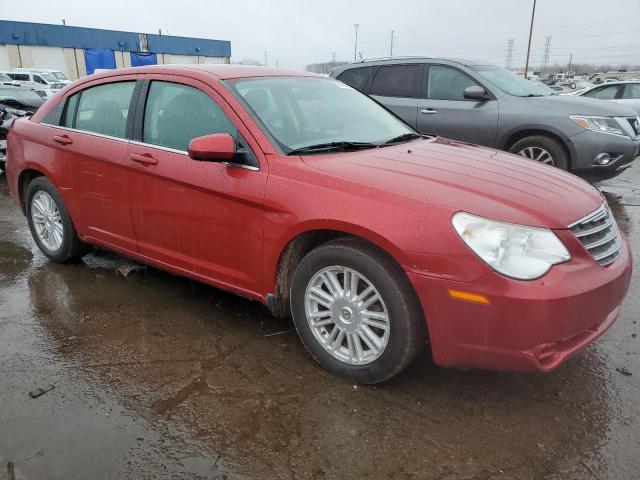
(625, 92)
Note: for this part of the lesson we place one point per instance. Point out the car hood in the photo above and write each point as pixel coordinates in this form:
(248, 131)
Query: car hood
(463, 177)
(577, 105)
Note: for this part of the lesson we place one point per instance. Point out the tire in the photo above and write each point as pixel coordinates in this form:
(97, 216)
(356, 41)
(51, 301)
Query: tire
(62, 248)
(395, 348)
(536, 143)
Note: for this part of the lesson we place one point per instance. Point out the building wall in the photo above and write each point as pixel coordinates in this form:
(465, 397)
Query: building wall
(32, 45)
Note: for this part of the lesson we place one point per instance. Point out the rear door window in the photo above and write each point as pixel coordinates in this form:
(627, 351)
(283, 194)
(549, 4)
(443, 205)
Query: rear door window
(446, 83)
(175, 114)
(398, 81)
(104, 109)
(631, 90)
(603, 93)
(356, 77)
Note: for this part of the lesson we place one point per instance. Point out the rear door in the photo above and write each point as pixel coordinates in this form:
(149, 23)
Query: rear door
(91, 141)
(444, 110)
(398, 88)
(203, 218)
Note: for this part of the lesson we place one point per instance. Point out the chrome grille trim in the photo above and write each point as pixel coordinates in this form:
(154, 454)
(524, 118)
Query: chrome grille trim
(598, 232)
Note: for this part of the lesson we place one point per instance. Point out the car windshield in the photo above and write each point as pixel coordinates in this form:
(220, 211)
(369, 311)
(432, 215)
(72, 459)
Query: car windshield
(5, 78)
(301, 113)
(509, 83)
(60, 76)
(19, 94)
(47, 76)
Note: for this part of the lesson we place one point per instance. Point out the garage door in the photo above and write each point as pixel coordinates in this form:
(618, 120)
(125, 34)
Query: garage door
(180, 59)
(4, 58)
(49, 57)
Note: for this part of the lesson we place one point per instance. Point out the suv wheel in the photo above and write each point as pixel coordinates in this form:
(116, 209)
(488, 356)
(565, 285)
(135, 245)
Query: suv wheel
(50, 224)
(355, 311)
(542, 149)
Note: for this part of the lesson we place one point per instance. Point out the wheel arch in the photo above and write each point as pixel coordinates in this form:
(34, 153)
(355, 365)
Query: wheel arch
(25, 177)
(514, 137)
(297, 244)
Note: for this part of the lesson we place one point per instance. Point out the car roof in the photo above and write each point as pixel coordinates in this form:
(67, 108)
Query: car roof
(418, 59)
(222, 71)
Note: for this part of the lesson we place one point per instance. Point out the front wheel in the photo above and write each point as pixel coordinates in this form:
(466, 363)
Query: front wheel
(356, 312)
(542, 149)
(50, 223)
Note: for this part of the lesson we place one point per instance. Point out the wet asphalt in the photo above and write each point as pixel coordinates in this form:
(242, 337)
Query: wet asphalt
(156, 376)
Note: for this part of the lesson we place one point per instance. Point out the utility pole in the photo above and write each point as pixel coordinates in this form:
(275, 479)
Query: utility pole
(64, 22)
(355, 47)
(391, 49)
(509, 55)
(570, 60)
(265, 58)
(533, 14)
(547, 51)
(333, 57)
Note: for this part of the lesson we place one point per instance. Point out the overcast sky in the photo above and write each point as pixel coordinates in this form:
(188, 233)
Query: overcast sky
(298, 32)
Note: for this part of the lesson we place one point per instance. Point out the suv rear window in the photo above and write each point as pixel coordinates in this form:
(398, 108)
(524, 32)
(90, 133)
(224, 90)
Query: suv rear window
(398, 81)
(356, 77)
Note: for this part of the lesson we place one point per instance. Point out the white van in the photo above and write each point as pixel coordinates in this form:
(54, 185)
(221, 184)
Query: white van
(59, 76)
(35, 80)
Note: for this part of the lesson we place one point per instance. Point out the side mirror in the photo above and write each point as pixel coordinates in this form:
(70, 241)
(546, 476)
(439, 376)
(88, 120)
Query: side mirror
(475, 92)
(217, 147)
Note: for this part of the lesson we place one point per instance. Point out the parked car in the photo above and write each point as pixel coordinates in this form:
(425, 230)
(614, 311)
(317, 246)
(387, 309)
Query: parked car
(41, 81)
(5, 80)
(57, 74)
(624, 92)
(15, 102)
(300, 192)
(488, 105)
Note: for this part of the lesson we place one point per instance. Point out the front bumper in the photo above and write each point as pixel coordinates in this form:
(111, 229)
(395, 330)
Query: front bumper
(587, 144)
(528, 326)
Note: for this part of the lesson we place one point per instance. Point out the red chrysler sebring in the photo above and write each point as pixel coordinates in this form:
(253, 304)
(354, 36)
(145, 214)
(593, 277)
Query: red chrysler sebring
(302, 193)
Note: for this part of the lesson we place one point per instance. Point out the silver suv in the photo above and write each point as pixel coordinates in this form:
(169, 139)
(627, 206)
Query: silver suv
(488, 105)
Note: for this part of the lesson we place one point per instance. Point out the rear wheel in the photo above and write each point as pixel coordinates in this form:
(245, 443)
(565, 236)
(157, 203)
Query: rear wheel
(356, 312)
(542, 149)
(50, 224)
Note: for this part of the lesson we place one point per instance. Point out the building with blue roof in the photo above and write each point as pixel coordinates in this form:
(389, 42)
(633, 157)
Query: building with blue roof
(78, 51)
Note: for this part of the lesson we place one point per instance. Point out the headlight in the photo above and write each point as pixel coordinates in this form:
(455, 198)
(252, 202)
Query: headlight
(516, 251)
(600, 124)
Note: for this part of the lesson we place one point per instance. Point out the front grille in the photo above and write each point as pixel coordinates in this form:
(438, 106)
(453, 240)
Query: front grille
(599, 234)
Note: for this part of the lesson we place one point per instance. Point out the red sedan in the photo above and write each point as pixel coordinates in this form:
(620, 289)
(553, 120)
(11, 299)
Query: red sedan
(302, 193)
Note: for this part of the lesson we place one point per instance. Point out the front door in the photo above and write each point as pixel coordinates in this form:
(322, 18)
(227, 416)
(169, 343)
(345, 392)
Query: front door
(199, 217)
(444, 111)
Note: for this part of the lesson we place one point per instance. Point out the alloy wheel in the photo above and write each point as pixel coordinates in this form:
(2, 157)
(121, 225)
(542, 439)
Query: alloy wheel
(47, 220)
(538, 154)
(347, 315)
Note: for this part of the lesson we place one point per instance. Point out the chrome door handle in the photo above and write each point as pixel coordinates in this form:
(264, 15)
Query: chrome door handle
(428, 111)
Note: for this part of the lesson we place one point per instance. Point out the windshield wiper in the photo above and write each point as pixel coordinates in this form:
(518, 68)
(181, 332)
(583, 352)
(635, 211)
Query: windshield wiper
(405, 137)
(535, 95)
(326, 147)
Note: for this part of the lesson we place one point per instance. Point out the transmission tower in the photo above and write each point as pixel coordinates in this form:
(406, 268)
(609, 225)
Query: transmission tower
(511, 41)
(547, 51)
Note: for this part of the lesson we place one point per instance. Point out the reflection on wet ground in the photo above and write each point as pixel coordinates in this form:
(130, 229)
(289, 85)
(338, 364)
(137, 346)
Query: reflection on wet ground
(159, 377)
